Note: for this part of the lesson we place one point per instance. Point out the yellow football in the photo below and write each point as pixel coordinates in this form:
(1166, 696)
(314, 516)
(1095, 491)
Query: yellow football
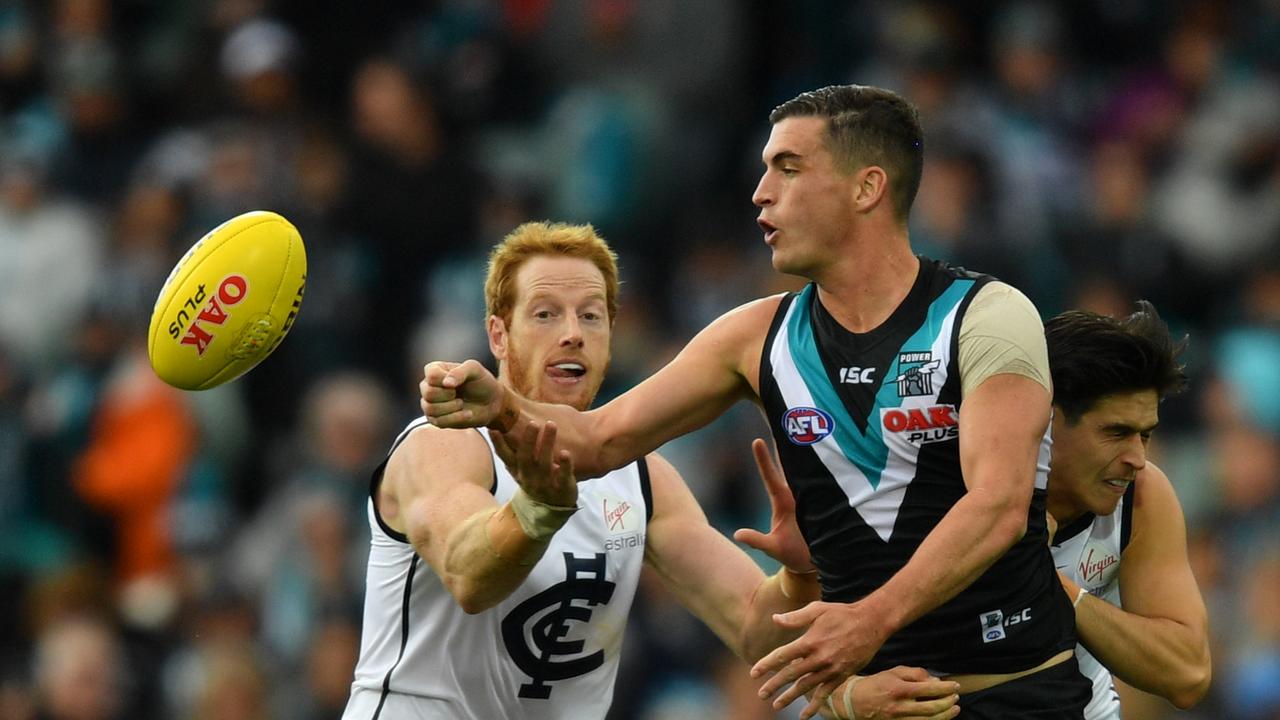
(229, 301)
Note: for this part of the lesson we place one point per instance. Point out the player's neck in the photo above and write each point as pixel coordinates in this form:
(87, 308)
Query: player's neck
(1064, 513)
(868, 283)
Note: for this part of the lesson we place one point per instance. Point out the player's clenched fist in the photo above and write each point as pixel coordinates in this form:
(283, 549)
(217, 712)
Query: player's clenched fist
(460, 395)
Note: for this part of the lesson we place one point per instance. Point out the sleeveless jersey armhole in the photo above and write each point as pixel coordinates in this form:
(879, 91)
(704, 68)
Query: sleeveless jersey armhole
(646, 488)
(1126, 516)
(766, 367)
(375, 480)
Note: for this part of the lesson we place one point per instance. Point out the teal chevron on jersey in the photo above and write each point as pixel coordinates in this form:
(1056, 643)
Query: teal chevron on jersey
(868, 454)
(921, 341)
(865, 449)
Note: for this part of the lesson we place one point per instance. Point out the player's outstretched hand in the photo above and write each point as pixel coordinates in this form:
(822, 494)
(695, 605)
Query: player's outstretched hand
(838, 640)
(545, 474)
(784, 542)
(459, 395)
(907, 693)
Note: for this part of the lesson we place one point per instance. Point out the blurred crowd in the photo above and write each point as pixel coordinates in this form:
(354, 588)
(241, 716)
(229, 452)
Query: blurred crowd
(201, 555)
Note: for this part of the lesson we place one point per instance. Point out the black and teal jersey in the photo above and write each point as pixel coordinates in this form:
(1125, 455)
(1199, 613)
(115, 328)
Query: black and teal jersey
(867, 429)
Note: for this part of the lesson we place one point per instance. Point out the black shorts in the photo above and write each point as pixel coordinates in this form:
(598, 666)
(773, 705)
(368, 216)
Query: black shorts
(1056, 693)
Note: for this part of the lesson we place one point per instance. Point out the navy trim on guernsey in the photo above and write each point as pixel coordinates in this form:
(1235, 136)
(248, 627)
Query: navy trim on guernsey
(404, 634)
(374, 482)
(376, 479)
(646, 489)
(1084, 522)
(1126, 515)
(1073, 528)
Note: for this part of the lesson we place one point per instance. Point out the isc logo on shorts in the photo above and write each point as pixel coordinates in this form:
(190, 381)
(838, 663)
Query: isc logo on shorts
(806, 425)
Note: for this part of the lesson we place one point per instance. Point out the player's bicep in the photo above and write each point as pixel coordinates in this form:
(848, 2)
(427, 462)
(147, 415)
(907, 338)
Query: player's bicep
(1002, 424)
(704, 570)
(1004, 371)
(439, 478)
(1155, 569)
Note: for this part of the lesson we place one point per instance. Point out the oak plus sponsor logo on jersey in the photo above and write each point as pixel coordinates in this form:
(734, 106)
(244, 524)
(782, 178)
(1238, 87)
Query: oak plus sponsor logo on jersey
(1098, 565)
(995, 626)
(622, 523)
(806, 425)
(915, 374)
(921, 425)
(857, 375)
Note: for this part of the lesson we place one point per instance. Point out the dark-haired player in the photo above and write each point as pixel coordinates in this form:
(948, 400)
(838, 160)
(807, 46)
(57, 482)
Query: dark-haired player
(1121, 541)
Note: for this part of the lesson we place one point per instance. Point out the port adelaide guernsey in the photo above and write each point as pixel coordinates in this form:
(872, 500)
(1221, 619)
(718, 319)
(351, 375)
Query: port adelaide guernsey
(867, 429)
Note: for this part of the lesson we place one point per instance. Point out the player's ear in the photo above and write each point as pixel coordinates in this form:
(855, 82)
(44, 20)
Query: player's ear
(497, 331)
(872, 187)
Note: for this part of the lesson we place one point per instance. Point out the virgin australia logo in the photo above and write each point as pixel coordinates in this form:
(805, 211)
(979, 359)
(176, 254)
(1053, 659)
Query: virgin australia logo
(615, 517)
(1094, 564)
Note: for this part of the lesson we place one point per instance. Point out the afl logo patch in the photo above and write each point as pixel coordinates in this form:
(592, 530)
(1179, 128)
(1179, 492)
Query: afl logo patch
(806, 425)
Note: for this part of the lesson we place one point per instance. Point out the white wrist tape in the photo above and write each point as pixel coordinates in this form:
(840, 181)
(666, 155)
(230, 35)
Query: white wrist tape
(848, 697)
(1079, 596)
(538, 519)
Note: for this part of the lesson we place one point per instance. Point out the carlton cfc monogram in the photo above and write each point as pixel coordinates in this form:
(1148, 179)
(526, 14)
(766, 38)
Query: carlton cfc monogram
(551, 612)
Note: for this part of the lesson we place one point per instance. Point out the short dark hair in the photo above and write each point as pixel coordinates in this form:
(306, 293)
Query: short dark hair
(868, 126)
(1092, 356)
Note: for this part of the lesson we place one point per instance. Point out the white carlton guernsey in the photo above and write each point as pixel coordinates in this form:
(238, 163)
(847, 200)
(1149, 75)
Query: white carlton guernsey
(549, 650)
(1089, 551)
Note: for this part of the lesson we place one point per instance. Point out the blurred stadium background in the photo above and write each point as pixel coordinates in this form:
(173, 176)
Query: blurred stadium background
(171, 555)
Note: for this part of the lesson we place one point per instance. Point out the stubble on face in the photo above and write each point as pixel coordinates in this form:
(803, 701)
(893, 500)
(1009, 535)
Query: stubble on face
(518, 371)
(552, 289)
(529, 380)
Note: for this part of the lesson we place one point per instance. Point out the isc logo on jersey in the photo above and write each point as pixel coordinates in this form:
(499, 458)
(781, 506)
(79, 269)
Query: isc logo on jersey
(994, 623)
(806, 425)
(857, 375)
(922, 425)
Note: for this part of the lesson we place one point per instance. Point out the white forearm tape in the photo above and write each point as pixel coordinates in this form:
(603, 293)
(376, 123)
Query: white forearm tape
(538, 519)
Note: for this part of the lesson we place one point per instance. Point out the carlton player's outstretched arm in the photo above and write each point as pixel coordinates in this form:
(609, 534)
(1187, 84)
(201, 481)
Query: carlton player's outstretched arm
(436, 491)
(715, 579)
(725, 589)
(1158, 641)
(716, 369)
